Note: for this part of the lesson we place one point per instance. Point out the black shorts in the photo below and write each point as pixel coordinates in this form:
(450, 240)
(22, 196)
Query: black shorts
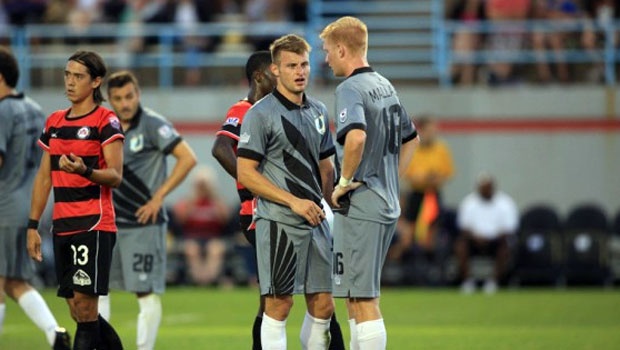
(414, 204)
(83, 262)
(490, 248)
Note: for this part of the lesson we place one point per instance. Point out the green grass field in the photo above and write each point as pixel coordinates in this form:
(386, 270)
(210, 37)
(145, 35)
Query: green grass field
(197, 318)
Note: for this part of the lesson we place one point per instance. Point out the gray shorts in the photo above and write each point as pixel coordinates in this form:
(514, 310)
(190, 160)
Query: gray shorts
(360, 248)
(139, 260)
(292, 260)
(14, 260)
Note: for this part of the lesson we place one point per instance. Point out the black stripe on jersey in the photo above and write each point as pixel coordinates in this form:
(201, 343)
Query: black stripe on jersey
(172, 145)
(300, 171)
(283, 262)
(76, 194)
(71, 133)
(330, 152)
(109, 131)
(247, 153)
(245, 195)
(91, 161)
(232, 129)
(122, 204)
(410, 137)
(301, 145)
(299, 191)
(132, 179)
(75, 223)
(343, 133)
(45, 138)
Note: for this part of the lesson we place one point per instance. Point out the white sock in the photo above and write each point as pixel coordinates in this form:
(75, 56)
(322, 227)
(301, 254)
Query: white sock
(314, 333)
(353, 344)
(36, 309)
(104, 307)
(148, 321)
(2, 311)
(273, 334)
(371, 335)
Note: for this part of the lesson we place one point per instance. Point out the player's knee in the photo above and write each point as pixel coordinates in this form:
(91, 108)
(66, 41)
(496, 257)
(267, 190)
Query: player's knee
(15, 288)
(84, 309)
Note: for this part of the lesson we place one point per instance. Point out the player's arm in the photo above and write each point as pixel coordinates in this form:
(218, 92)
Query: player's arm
(406, 153)
(110, 176)
(185, 161)
(353, 149)
(40, 192)
(224, 152)
(326, 167)
(1, 159)
(252, 179)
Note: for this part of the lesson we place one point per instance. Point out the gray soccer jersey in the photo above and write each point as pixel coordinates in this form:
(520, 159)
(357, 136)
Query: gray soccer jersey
(288, 141)
(21, 122)
(368, 101)
(148, 141)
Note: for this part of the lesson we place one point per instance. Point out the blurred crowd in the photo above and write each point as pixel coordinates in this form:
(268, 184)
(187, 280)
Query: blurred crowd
(584, 16)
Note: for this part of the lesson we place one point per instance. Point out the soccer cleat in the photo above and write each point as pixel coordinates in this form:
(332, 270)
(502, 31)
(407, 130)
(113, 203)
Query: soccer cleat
(63, 340)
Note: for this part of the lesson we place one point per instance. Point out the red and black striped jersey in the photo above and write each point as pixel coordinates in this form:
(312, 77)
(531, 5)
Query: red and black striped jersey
(80, 204)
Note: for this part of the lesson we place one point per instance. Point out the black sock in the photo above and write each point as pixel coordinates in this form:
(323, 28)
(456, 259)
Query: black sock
(256, 345)
(109, 338)
(337, 343)
(86, 336)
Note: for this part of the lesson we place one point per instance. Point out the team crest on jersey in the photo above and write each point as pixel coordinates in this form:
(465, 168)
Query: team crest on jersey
(81, 278)
(234, 121)
(116, 124)
(83, 133)
(136, 144)
(244, 138)
(165, 131)
(319, 122)
(343, 115)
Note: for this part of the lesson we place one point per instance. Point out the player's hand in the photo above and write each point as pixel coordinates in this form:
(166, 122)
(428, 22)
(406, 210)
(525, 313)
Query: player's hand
(340, 191)
(308, 210)
(33, 243)
(148, 212)
(72, 164)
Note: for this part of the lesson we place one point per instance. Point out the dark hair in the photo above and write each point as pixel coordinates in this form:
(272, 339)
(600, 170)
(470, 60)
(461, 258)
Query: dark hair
(257, 61)
(122, 78)
(8, 67)
(96, 68)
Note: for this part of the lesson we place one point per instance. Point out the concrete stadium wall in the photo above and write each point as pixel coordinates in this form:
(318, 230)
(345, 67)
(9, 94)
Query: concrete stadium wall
(562, 165)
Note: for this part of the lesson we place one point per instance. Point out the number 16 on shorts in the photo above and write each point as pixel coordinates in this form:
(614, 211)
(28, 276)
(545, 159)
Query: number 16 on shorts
(338, 267)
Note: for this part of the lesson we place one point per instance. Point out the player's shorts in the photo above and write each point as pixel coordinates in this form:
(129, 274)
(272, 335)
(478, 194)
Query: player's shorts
(292, 260)
(83, 262)
(14, 260)
(360, 248)
(139, 259)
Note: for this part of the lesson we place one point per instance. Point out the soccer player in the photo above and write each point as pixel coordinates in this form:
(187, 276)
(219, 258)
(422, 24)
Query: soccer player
(371, 127)
(283, 158)
(22, 120)
(82, 161)
(139, 259)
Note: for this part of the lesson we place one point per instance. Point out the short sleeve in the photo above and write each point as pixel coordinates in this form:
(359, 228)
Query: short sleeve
(44, 139)
(408, 130)
(463, 216)
(511, 215)
(254, 136)
(163, 134)
(232, 124)
(5, 131)
(327, 142)
(350, 109)
(110, 129)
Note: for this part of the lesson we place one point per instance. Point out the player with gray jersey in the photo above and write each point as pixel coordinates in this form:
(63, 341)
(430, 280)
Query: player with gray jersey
(21, 122)
(283, 158)
(139, 258)
(372, 133)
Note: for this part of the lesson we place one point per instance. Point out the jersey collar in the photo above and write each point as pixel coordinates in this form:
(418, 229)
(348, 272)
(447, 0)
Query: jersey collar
(291, 106)
(16, 95)
(136, 119)
(361, 70)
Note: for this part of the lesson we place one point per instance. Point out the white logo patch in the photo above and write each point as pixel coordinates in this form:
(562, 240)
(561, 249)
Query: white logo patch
(244, 138)
(319, 122)
(81, 278)
(343, 115)
(165, 131)
(234, 121)
(136, 144)
(83, 132)
(116, 124)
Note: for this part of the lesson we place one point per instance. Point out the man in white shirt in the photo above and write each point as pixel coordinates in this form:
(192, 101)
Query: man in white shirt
(486, 218)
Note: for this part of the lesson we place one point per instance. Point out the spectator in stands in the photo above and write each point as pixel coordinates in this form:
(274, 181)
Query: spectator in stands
(22, 12)
(600, 13)
(202, 218)
(466, 42)
(507, 37)
(560, 10)
(486, 218)
(430, 168)
(266, 11)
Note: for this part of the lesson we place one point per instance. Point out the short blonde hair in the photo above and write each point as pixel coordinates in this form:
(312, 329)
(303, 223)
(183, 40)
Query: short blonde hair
(349, 31)
(291, 43)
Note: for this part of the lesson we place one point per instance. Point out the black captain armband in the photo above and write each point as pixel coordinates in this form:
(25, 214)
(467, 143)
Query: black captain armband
(87, 173)
(33, 224)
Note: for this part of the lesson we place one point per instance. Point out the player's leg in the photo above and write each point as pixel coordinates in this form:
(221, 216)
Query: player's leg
(249, 232)
(2, 304)
(116, 279)
(315, 328)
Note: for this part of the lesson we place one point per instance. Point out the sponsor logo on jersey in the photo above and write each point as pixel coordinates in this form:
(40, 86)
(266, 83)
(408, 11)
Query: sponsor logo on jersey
(165, 131)
(81, 278)
(244, 138)
(319, 122)
(343, 115)
(136, 144)
(83, 132)
(234, 121)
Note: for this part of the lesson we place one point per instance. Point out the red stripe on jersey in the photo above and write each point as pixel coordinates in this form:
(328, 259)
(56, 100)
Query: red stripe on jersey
(84, 136)
(228, 134)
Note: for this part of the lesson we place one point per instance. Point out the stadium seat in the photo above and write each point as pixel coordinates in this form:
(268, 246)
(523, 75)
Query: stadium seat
(586, 237)
(539, 247)
(614, 249)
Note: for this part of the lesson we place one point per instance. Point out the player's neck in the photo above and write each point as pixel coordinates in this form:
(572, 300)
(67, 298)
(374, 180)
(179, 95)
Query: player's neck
(6, 91)
(295, 97)
(356, 63)
(82, 108)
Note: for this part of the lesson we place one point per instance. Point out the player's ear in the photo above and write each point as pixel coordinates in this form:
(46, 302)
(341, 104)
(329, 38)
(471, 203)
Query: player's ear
(257, 76)
(95, 83)
(274, 70)
(342, 50)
